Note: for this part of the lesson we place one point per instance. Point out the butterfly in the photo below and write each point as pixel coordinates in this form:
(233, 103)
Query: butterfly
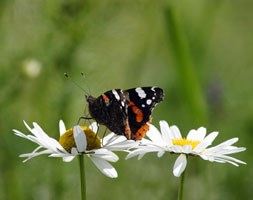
(126, 112)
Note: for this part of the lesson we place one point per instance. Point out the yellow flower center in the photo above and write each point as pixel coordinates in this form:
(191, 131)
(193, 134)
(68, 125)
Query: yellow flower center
(68, 142)
(184, 142)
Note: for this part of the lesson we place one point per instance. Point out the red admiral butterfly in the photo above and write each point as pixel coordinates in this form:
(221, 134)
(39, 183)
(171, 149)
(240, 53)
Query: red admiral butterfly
(126, 112)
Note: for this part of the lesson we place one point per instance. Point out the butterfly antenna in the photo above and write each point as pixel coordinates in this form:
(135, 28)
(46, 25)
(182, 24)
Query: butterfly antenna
(84, 78)
(76, 84)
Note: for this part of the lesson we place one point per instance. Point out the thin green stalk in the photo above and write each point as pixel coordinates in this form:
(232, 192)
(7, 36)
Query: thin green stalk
(82, 177)
(187, 71)
(181, 187)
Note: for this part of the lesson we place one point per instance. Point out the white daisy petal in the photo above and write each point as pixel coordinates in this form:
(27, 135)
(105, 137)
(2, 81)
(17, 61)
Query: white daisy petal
(101, 156)
(201, 132)
(94, 127)
(195, 144)
(105, 167)
(115, 142)
(233, 161)
(28, 156)
(232, 150)
(142, 150)
(108, 138)
(154, 135)
(136, 153)
(122, 146)
(192, 134)
(222, 159)
(74, 151)
(62, 127)
(112, 139)
(38, 131)
(68, 158)
(187, 149)
(197, 134)
(206, 142)
(165, 130)
(28, 127)
(18, 133)
(180, 165)
(175, 132)
(105, 154)
(160, 153)
(177, 149)
(223, 145)
(80, 139)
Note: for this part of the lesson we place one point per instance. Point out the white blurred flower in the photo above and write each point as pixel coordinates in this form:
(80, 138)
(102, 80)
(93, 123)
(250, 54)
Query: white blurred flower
(76, 141)
(195, 144)
(31, 68)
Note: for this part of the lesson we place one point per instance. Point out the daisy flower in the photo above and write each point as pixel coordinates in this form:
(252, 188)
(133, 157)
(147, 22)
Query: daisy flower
(76, 141)
(195, 144)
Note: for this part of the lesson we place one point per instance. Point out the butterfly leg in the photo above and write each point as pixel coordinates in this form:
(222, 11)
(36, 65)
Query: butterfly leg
(85, 118)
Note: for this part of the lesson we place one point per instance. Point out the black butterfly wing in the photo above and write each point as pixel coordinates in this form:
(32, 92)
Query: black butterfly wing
(110, 109)
(117, 111)
(125, 112)
(142, 102)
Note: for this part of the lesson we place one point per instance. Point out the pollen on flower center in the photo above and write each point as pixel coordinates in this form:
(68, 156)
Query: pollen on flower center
(68, 142)
(184, 142)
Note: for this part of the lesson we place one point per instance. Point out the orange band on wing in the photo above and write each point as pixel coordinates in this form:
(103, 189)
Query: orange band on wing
(141, 132)
(130, 104)
(137, 111)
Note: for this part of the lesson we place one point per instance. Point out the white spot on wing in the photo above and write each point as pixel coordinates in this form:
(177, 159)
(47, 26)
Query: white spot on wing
(153, 89)
(115, 93)
(141, 93)
(149, 101)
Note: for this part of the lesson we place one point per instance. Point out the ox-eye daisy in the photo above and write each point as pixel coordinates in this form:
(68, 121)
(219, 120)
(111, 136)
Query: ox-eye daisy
(195, 144)
(76, 141)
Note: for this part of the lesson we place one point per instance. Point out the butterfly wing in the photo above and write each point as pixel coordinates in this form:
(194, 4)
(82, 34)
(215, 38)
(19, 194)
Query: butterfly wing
(126, 112)
(142, 101)
(110, 109)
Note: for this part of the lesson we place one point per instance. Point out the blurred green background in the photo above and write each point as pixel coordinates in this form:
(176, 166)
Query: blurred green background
(199, 52)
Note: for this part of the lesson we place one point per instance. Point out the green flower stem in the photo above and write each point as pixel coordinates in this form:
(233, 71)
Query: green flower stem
(181, 187)
(185, 66)
(82, 177)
